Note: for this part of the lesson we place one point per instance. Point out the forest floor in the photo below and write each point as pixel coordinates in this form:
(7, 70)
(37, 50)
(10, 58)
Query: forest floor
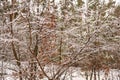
(73, 73)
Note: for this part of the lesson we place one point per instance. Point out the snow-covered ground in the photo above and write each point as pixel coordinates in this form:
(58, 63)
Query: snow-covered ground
(73, 73)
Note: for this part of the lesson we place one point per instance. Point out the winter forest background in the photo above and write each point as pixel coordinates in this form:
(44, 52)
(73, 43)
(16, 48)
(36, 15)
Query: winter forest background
(59, 40)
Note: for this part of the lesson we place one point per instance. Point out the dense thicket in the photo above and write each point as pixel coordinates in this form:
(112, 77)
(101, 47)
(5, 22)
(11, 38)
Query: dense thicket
(44, 38)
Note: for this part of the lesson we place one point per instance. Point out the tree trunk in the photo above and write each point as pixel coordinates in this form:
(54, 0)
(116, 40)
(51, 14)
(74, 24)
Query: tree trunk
(86, 75)
(33, 62)
(91, 74)
(94, 74)
(12, 17)
(98, 75)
